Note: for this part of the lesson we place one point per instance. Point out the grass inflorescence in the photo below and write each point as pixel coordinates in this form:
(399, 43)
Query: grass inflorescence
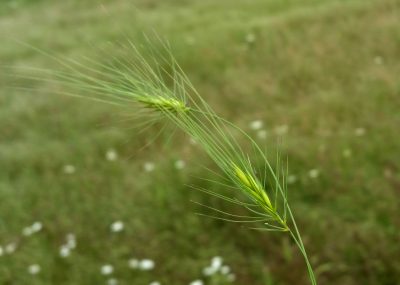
(164, 104)
(141, 85)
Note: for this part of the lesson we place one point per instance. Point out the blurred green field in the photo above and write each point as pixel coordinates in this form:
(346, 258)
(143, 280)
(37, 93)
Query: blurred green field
(322, 76)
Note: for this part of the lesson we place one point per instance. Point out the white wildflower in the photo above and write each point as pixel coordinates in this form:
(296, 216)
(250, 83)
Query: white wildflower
(10, 248)
(65, 251)
(359, 132)
(208, 271)
(69, 169)
(34, 269)
(146, 264)
(256, 125)
(262, 134)
(231, 277)
(133, 263)
(250, 38)
(112, 281)
(225, 270)
(291, 179)
(216, 262)
(155, 283)
(36, 227)
(71, 244)
(27, 231)
(281, 130)
(180, 164)
(313, 173)
(107, 269)
(117, 226)
(149, 166)
(111, 155)
(70, 237)
(71, 241)
(197, 282)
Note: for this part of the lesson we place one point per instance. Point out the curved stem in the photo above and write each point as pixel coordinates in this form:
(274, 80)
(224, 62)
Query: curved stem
(299, 242)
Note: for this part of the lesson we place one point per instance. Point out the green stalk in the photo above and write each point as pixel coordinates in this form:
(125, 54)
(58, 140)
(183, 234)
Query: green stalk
(299, 242)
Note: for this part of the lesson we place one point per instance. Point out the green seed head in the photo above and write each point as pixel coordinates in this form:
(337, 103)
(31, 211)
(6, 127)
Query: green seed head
(252, 184)
(164, 104)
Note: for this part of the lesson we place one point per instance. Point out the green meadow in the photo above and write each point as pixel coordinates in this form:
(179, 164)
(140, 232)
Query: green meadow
(88, 195)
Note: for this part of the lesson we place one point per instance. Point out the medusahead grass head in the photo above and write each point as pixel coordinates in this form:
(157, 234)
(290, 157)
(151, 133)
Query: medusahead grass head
(143, 83)
(163, 104)
(249, 183)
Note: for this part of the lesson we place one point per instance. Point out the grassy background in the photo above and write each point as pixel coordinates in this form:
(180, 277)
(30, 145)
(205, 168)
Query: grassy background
(324, 69)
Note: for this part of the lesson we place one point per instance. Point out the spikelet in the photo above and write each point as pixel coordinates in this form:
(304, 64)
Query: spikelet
(252, 185)
(161, 103)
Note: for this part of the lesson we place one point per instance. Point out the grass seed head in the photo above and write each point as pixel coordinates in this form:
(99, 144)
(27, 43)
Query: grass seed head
(164, 104)
(251, 183)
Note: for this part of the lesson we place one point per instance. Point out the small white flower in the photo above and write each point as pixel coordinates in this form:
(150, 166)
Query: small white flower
(146, 264)
(256, 125)
(112, 281)
(69, 169)
(225, 270)
(133, 263)
(197, 282)
(208, 271)
(70, 237)
(180, 164)
(71, 241)
(216, 262)
(71, 244)
(36, 227)
(262, 134)
(117, 226)
(111, 155)
(155, 283)
(107, 269)
(281, 130)
(231, 277)
(291, 179)
(347, 152)
(65, 251)
(34, 269)
(27, 231)
(149, 166)
(10, 248)
(359, 132)
(250, 38)
(313, 173)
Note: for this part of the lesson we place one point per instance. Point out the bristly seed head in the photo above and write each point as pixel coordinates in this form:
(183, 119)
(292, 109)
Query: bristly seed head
(164, 104)
(251, 183)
